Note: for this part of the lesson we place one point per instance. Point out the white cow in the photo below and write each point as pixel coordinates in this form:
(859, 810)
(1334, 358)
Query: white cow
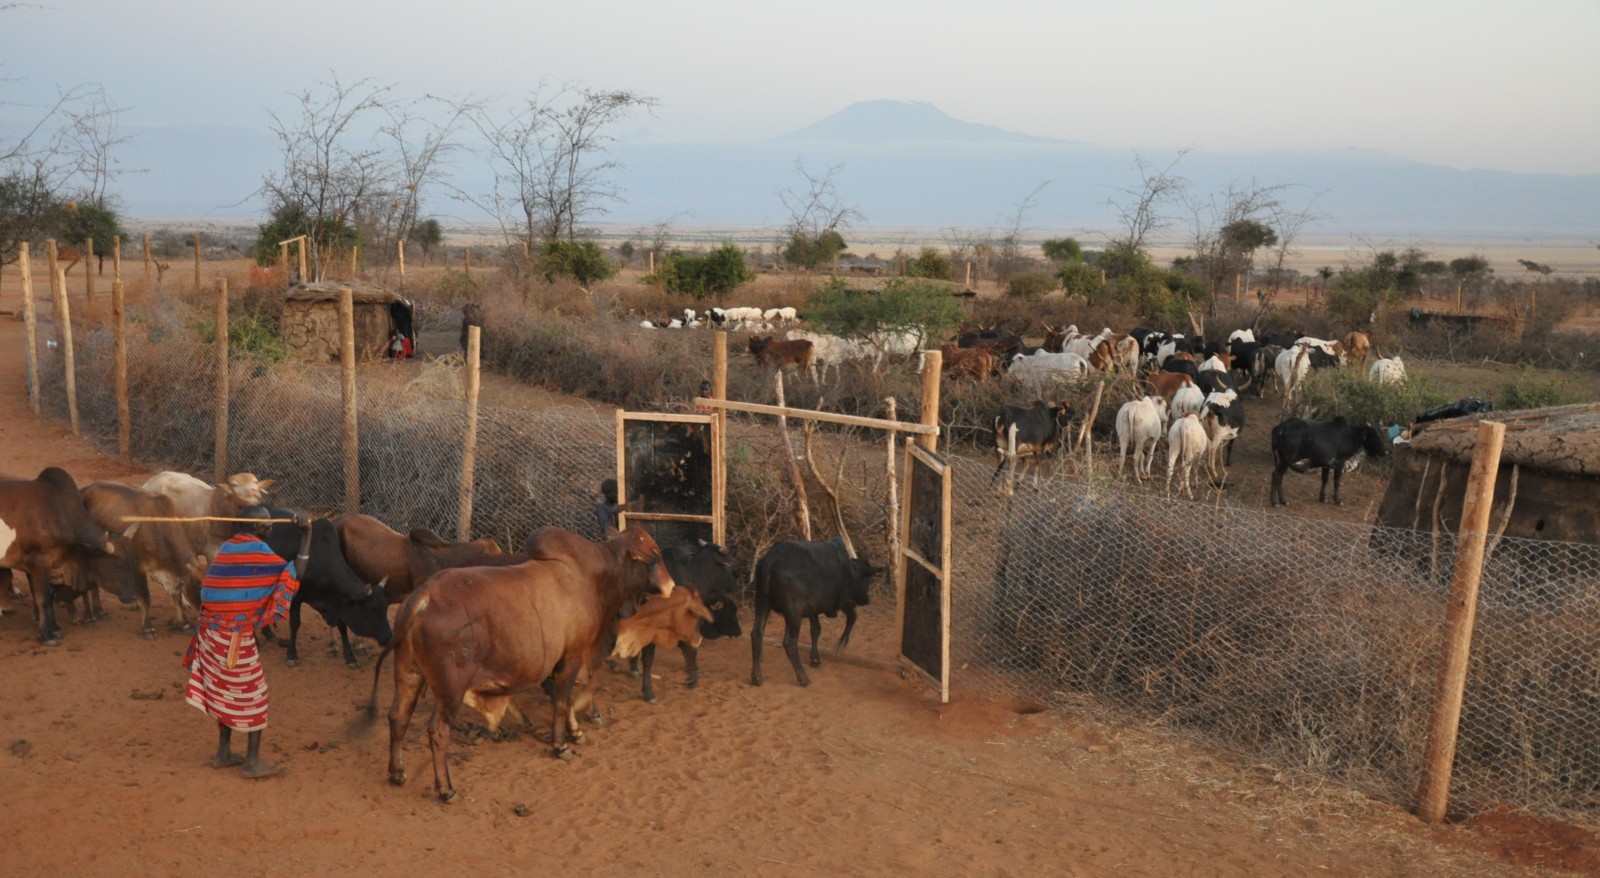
(1035, 371)
(195, 498)
(1187, 401)
(1186, 446)
(1387, 370)
(830, 350)
(1141, 423)
(1243, 336)
(1222, 417)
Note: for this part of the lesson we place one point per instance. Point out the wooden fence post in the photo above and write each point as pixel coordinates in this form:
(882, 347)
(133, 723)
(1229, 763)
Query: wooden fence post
(1433, 794)
(469, 443)
(119, 377)
(222, 381)
(88, 269)
(197, 260)
(305, 261)
(400, 253)
(30, 320)
(932, 366)
(63, 319)
(148, 268)
(466, 259)
(891, 516)
(803, 512)
(719, 391)
(347, 365)
(116, 258)
(355, 253)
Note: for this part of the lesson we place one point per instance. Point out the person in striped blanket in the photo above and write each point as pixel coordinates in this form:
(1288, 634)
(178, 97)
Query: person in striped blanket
(247, 587)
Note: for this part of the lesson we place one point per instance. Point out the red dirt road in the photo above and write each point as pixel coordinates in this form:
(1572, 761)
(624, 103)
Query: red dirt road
(103, 770)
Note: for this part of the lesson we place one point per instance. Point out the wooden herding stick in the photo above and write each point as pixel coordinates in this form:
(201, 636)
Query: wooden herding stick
(130, 519)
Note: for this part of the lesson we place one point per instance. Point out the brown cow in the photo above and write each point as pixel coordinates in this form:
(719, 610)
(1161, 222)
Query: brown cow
(475, 635)
(662, 621)
(43, 528)
(163, 550)
(774, 353)
(1165, 384)
(1357, 345)
(973, 362)
(378, 553)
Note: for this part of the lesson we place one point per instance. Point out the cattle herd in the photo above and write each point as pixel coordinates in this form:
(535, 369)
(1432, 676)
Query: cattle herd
(476, 623)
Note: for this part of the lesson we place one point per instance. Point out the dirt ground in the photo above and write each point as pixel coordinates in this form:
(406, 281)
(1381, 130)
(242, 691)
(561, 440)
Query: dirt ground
(861, 774)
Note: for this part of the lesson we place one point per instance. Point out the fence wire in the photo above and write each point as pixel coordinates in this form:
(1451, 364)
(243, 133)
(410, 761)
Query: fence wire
(1295, 642)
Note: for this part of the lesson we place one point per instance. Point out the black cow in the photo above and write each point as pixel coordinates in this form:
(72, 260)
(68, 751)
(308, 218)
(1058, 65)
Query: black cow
(1334, 446)
(1181, 366)
(1037, 429)
(330, 587)
(1244, 362)
(1282, 339)
(1215, 380)
(1263, 365)
(804, 580)
(707, 569)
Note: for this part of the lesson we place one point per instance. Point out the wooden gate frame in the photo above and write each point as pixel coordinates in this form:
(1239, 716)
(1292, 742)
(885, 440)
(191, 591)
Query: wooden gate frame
(918, 456)
(718, 518)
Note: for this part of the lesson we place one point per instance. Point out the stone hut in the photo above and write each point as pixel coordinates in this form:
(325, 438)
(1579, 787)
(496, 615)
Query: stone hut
(311, 320)
(1549, 477)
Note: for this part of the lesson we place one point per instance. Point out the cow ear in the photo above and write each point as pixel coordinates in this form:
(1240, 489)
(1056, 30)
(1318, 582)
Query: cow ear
(264, 484)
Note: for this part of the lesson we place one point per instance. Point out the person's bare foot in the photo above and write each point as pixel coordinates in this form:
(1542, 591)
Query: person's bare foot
(228, 760)
(262, 770)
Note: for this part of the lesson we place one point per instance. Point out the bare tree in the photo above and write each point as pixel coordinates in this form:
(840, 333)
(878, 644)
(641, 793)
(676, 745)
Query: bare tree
(1145, 211)
(331, 164)
(420, 149)
(1008, 243)
(547, 155)
(817, 217)
(91, 135)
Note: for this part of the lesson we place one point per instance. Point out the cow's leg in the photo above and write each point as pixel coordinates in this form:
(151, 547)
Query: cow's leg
(44, 606)
(565, 676)
(849, 623)
(344, 643)
(647, 661)
(438, 741)
(97, 611)
(691, 664)
(1276, 494)
(407, 688)
(1338, 476)
(1322, 495)
(762, 609)
(294, 632)
(791, 646)
(816, 635)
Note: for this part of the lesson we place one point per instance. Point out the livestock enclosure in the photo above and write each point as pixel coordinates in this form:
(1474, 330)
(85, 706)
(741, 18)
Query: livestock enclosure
(1296, 642)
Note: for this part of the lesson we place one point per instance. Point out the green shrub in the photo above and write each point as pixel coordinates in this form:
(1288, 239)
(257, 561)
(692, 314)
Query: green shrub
(1080, 279)
(713, 275)
(1529, 391)
(1328, 393)
(915, 304)
(583, 261)
(929, 263)
(1032, 285)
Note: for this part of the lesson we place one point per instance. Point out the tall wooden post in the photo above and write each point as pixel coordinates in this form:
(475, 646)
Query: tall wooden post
(932, 366)
(347, 365)
(891, 516)
(469, 443)
(652, 255)
(803, 510)
(1433, 794)
(354, 253)
(51, 264)
(305, 261)
(148, 268)
(63, 318)
(400, 254)
(88, 269)
(116, 258)
(119, 377)
(222, 381)
(197, 260)
(719, 391)
(969, 274)
(283, 257)
(466, 259)
(30, 321)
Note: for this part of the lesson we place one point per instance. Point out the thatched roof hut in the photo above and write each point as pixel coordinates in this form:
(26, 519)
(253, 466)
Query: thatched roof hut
(311, 320)
(1549, 475)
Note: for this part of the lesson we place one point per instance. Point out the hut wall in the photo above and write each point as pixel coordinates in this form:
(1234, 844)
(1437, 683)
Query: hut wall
(311, 330)
(1549, 506)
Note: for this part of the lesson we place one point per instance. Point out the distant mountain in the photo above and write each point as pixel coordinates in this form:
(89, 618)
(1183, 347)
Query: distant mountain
(887, 121)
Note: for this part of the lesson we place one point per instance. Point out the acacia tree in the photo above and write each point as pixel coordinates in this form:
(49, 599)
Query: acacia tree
(64, 155)
(1146, 209)
(817, 218)
(548, 160)
(331, 164)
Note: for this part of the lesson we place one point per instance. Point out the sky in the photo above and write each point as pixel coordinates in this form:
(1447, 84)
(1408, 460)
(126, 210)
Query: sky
(1462, 83)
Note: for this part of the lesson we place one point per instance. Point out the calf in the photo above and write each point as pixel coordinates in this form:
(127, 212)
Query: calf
(973, 362)
(1186, 445)
(1331, 446)
(705, 570)
(1027, 432)
(783, 354)
(1140, 422)
(804, 580)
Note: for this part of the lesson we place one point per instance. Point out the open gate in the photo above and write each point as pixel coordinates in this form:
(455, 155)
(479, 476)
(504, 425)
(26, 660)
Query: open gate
(922, 571)
(669, 476)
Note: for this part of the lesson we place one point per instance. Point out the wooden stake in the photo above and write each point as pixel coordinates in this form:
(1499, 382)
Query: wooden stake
(719, 391)
(803, 513)
(305, 261)
(116, 258)
(148, 267)
(197, 260)
(221, 408)
(63, 318)
(347, 366)
(1433, 793)
(354, 253)
(400, 252)
(466, 266)
(88, 269)
(969, 274)
(652, 255)
(30, 320)
(119, 353)
(891, 516)
(932, 366)
(469, 443)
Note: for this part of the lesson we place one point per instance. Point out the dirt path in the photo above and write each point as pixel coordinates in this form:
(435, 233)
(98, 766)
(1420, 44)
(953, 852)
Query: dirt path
(862, 774)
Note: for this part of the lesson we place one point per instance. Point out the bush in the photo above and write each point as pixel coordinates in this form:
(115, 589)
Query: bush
(1529, 391)
(1032, 285)
(713, 275)
(1079, 279)
(930, 263)
(915, 304)
(583, 261)
(1328, 393)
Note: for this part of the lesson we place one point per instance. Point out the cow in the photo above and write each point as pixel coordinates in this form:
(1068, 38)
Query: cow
(1357, 345)
(195, 499)
(378, 553)
(830, 350)
(1215, 380)
(1263, 365)
(1038, 370)
(43, 528)
(1331, 446)
(1167, 384)
(805, 580)
(162, 549)
(1181, 363)
(1027, 432)
(1387, 370)
(705, 570)
(86, 579)
(659, 621)
(974, 362)
(336, 592)
(476, 635)
(783, 354)
(1187, 401)
(1222, 416)
(1240, 337)
(1293, 364)
(1283, 339)
(1141, 423)
(1186, 445)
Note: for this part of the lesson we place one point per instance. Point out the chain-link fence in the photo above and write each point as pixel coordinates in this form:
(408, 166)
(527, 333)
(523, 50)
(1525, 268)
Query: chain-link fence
(1297, 642)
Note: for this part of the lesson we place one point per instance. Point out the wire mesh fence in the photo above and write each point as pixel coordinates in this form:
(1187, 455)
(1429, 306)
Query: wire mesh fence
(1296, 642)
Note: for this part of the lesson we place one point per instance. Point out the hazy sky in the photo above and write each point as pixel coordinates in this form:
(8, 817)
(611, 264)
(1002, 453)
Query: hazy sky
(1464, 83)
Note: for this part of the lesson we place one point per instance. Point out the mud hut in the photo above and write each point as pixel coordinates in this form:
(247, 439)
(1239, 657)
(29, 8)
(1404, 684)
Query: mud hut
(1548, 487)
(311, 320)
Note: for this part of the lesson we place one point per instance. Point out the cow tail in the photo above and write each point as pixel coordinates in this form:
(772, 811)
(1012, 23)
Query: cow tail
(407, 617)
